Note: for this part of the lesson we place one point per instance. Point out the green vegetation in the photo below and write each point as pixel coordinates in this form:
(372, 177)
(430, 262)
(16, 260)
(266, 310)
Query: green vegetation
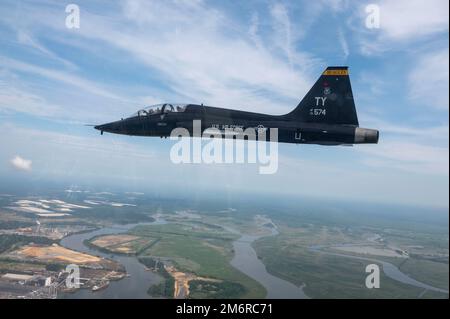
(7, 265)
(433, 295)
(149, 262)
(191, 229)
(10, 242)
(115, 215)
(325, 276)
(13, 224)
(201, 247)
(136, 247)
(206, 253)
(289, 256)
(54, 267)
(200, 289)
(139, 246)
(166, 287)
(430, 272)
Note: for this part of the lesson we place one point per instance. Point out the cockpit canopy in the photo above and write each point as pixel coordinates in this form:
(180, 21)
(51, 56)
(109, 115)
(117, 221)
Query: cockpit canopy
(160, 109)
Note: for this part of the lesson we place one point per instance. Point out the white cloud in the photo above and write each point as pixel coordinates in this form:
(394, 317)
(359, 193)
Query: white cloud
(402, 22)
(406, 19)
(63, 103)
(199, 54)
(77, 157)
(195, 50)
(413, 148)
(253, 30)
(343, 43)
(219, 69)
(429, 80)
(65, 77)
(282, 27)
(24, 37)
(21, 164)
(19, 100)
(414, 157)
(437, 134)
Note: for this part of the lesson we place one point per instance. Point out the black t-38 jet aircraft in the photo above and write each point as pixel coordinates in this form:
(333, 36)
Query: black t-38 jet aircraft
(325, 116)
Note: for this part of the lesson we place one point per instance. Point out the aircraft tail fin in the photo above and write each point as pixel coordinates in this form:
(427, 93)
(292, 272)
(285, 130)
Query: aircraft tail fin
(329, 101)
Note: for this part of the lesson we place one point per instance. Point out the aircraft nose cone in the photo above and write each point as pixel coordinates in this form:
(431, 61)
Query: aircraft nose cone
(108, 127)
(103, 127)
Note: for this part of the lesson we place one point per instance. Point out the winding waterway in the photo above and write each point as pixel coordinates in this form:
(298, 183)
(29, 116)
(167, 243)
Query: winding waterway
(245, 259)
(389, 269)
(136, 284)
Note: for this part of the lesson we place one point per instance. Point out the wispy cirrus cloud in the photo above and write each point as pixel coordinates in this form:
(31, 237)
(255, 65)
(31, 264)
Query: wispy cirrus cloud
(25, 38)
(282, 27)
(418, 149)
(72, 98)
(224, 67)
(429, 80)
(410, 156)
(130, 53)
(344, 44)
(431, 134)
(57, 75)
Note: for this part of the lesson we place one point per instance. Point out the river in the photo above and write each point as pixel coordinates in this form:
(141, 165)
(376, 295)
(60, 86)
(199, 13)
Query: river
(135, 286)
(246, 260)
(389, 269)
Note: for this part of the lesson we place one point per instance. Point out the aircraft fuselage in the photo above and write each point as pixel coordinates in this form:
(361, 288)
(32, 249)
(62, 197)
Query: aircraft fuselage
(326, 116)
(234, 122)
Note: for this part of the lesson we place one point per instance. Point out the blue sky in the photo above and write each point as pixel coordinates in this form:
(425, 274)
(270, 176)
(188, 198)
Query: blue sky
(254, 55)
